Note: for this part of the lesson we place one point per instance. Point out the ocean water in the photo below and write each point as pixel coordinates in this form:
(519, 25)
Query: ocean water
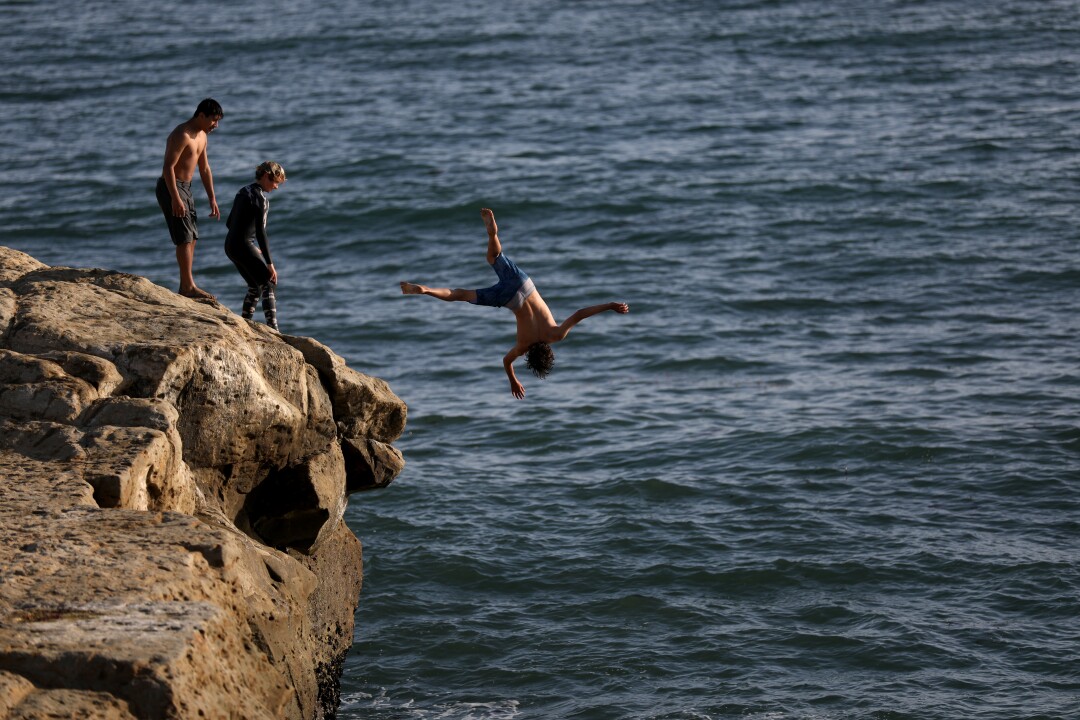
(826, 467)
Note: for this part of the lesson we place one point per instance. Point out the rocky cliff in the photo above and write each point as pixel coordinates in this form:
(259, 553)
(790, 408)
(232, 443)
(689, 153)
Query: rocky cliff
(172, 485)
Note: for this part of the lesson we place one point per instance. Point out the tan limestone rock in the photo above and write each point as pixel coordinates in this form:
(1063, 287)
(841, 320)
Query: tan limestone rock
(368, 405)
(370, 464)
(174, 481)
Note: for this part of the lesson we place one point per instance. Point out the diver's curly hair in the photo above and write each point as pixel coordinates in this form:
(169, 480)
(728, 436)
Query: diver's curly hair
(539, 358)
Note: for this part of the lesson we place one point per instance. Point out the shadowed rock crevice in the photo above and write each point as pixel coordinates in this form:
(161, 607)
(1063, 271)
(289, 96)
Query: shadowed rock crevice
(175, 480)
(284, 511)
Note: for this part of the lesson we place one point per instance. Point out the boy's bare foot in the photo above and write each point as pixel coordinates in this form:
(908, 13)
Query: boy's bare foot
(196, 293)
(489, 221)
(411, 289)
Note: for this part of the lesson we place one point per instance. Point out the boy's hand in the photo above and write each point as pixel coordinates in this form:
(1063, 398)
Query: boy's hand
(622, 308)
(517, 389)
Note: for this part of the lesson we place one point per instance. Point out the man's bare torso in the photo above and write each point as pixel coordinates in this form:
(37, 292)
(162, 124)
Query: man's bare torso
(192, 144)
(535, 323)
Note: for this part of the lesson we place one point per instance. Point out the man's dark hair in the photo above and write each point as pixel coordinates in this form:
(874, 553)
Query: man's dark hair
(210, 108)
(539, 358)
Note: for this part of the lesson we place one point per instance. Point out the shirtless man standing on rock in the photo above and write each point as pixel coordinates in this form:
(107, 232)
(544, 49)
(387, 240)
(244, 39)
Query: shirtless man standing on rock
(536, 328)
(184, 150)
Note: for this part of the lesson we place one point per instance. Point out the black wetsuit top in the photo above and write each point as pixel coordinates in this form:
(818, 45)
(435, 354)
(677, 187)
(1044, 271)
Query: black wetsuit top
(247, 222)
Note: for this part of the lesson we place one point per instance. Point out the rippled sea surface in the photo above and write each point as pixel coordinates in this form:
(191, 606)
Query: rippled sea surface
(827, 467)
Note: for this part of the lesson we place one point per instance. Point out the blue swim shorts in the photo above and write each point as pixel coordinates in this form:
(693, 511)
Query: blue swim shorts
(511, 290)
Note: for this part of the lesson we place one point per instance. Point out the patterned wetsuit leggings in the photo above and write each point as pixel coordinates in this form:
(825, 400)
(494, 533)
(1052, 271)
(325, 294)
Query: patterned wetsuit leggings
(269, 303)
(256, 274)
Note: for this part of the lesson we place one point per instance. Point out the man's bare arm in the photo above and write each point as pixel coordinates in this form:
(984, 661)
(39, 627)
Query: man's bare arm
(208, 183)
(578, 316)
(516, 388)
(174, 149)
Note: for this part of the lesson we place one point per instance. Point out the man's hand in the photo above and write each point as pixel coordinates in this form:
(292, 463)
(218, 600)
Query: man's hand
(178, 207)
(273, 274)
(214, 212)
(622, 308)
(517, 389)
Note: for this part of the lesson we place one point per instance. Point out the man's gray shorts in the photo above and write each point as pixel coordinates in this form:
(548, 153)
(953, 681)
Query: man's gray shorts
(184, 229)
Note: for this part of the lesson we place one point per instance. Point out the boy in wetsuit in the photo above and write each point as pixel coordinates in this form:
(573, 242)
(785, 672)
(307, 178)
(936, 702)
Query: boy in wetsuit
(184, 150)
(247, 225)
(536, 328)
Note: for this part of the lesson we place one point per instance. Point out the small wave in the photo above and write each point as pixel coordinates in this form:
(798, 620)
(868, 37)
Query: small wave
(379, 705)
(985, 146)
(714, 364)
(919, 373)
(801, 304)
(1051, 279)
(650, 489)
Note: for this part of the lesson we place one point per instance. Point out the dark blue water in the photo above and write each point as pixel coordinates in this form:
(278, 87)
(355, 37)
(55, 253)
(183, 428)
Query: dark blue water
(827, 465)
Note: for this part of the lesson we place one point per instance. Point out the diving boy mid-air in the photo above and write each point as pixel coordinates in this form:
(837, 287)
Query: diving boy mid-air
(536, 328)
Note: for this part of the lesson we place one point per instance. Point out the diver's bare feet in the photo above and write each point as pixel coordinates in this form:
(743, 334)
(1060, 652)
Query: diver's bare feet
(489, 222)
(411, 289)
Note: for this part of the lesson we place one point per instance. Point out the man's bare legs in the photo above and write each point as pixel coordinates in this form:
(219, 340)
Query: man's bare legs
(185, 258)
(494, 249)
(456, 295)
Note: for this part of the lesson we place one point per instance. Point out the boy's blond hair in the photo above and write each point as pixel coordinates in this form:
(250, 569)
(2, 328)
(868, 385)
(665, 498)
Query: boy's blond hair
(272, 169)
